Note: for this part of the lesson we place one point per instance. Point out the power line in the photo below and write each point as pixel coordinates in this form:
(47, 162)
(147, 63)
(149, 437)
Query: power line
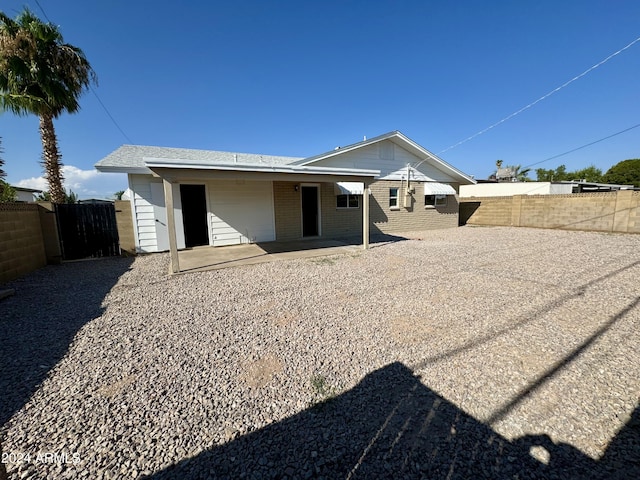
(584, 146)
(602, 62)
(94, 92)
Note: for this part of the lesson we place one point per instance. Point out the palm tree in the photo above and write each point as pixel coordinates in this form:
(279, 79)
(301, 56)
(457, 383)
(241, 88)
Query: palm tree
(41, 75)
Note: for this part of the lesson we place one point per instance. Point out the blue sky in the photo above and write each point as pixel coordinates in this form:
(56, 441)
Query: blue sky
(302, 77)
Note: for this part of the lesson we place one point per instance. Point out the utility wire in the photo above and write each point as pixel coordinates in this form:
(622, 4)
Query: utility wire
(584, 146)
(94, 92)
(543, 97)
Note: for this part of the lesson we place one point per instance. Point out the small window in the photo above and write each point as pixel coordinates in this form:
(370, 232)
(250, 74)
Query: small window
(435, 200)
(393, 197)
(347, 201)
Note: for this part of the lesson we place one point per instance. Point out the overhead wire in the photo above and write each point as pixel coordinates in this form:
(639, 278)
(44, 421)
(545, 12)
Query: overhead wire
(583, 146)
(104, 107)
(547, 95)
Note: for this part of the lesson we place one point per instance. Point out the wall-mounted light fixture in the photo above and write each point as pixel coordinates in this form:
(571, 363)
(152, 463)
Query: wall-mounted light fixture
(296, 187)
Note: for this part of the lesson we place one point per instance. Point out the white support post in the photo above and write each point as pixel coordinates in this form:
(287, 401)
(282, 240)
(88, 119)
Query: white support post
(365, 217)
(171, 225)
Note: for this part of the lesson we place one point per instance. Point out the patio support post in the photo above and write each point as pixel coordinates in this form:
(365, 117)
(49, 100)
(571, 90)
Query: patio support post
(171, 225)
(365, 216)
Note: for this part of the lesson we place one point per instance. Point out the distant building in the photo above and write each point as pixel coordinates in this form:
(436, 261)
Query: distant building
(26, 194)
(507, 189)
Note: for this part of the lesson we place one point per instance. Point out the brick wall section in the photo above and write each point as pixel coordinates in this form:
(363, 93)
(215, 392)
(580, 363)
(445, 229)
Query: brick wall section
(415, 218)
(287, 211)
(124, 221)
(339, 222)
(21, 242)
(604, 212)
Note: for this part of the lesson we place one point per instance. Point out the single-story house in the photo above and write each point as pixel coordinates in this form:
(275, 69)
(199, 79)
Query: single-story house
(24, 194)
(182, 198)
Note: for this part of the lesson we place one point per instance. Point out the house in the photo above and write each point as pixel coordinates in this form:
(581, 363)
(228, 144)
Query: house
(384, 185)
(507, 189)
(26, 194)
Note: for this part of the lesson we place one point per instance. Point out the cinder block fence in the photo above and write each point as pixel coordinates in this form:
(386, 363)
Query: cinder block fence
(602, 212)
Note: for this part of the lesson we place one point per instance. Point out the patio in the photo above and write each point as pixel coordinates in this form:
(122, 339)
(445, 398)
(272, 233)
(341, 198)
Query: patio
(200, 259)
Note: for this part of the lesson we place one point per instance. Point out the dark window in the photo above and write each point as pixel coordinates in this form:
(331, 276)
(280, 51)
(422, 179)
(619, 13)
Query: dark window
(435, 200)
(393, 197)
(347, 201)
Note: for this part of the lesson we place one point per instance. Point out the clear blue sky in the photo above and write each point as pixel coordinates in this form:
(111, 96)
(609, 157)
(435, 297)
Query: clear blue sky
(301, 77)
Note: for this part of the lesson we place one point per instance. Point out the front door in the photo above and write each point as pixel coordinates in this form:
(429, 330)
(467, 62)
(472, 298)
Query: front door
(310, 214)
(194, 215)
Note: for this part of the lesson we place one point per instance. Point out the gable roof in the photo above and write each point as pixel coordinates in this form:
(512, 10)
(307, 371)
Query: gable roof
(131, 158)
(402, 141)
(136, 158)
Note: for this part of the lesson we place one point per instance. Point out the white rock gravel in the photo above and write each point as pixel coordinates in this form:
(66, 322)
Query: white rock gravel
(471, 352)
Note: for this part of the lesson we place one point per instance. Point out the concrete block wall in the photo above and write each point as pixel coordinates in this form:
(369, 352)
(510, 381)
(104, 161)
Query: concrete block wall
(287, 211)
(21, 242)
(417, 217)
(605, 211)
(124, 221)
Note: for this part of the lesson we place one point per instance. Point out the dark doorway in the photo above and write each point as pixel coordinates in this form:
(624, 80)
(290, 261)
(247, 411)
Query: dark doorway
(310, 224)
(194, 215)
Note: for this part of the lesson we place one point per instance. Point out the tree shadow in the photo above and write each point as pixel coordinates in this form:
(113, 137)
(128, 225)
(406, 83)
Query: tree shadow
(40, 321)
(389, 426)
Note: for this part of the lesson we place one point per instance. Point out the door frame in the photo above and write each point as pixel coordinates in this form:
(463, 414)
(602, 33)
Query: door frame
(319, 197)
(207, 204)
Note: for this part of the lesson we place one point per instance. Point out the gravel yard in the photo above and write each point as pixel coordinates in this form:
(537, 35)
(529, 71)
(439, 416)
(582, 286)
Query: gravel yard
(465, 353)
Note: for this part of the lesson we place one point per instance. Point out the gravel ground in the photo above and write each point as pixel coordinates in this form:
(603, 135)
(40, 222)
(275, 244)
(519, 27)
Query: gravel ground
(464, 353)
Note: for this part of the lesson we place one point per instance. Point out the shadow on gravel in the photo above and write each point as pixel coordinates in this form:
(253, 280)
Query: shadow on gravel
(39, 322)
(392, 426)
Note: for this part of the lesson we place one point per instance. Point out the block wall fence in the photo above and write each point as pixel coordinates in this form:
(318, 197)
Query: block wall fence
(601, 212)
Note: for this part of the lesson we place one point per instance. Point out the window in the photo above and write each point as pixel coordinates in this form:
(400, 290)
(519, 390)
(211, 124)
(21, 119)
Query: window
(347, 201)
(435, 200)
(393, 197)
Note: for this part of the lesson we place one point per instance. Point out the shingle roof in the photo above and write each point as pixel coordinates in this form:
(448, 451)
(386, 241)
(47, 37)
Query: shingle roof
(132, 156)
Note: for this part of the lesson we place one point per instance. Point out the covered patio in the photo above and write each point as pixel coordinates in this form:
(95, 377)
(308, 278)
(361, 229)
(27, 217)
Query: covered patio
(208, 257)
(204, 258)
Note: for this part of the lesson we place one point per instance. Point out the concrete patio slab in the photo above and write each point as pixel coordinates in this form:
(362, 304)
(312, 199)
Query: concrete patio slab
(213, 258)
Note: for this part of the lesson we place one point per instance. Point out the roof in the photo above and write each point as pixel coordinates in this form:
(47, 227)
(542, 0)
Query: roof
(24, 189)
(401, 140)
(137, 158)
(131, 158)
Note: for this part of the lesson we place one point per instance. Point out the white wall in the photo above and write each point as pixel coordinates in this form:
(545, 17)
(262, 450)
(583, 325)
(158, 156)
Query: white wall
(390, 159)
(506, 189)
(240, 212)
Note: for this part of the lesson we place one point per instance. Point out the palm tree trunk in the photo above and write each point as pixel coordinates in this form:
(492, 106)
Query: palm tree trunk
(51, 158)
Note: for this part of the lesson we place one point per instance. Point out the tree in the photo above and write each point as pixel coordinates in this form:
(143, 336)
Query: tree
(69, 197)
(560, 174)
(557, 175)
(7, 192)
(118, 195)
(511, 173)
(626, 172)
(41, 75)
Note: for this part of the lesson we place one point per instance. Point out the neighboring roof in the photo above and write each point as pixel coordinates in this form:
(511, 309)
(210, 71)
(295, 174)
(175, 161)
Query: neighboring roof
(28, 190)
(401, 140)
(131, 158)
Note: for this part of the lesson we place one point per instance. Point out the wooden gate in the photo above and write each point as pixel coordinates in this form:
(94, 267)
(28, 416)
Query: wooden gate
(87, 230)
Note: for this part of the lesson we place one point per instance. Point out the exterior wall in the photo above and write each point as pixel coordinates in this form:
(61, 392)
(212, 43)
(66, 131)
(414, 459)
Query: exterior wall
(287, 211)
(507, 189)
(240, 212)
(338, 222)
(417, 217)
(21, 242)
(143, 213)
(387, 157)
(609, 211)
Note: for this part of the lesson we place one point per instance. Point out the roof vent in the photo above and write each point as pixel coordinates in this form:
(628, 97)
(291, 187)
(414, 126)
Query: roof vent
(337, 148)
